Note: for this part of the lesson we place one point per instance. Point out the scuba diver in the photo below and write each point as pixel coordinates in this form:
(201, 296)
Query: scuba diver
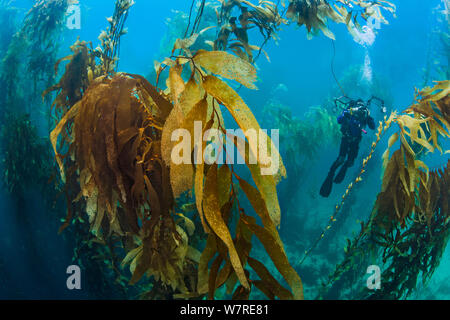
(353, 120)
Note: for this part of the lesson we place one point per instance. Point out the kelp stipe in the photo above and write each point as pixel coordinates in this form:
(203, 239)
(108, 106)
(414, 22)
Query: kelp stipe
(110, 39)
(382, 128)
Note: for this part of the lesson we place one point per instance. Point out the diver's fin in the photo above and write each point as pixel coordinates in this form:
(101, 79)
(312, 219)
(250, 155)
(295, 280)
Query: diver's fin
(325, 190)
(341, 175)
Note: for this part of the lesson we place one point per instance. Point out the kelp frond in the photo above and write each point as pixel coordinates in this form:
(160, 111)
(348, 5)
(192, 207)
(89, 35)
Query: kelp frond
(79, 72)
(233, 31)
(117, 129)
(421, 125)
(110, 39)
(315, 13)
(42, 19)
(199, 99)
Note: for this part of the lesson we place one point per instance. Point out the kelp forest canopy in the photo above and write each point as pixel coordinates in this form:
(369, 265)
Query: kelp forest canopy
(182, 228)
(238, 22)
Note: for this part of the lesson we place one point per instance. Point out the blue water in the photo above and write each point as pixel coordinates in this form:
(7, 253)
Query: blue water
(33, 258)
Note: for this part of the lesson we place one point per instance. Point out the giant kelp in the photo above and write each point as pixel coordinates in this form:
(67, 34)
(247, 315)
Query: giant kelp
(422, 124)
(208, 200)
(7, 17)
(27, 56)
(315, 13)
(32, 50)
(302, 142)
(437, 66)
(302, 136)
(239, 24)
(114, 140)
(233, 21)
(265, 17)
(85, 63)
(235, 18)
(79, 71)
(19, 138)
(418, 245)
(110, 38)
(409, 224)
(118, 144)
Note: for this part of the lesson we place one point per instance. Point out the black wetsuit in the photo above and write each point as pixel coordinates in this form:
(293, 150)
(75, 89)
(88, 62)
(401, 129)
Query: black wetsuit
(352, 121)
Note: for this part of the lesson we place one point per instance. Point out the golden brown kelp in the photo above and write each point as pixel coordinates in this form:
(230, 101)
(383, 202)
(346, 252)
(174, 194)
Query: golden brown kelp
(120, 162)
(199, 99)
(79, 72)
(82, 67)
(118, 143)
(315, 13)
(409, 224)
(114, 160)
(233, 31)
(422, 124)
(117, 126)
(420, 245)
